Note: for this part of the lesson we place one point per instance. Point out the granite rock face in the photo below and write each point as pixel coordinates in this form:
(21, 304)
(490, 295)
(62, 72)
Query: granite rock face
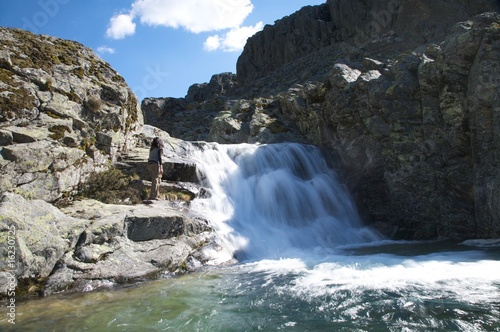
(64, 113)
(416, 135)
(86, 245)
(403, 94)
(91, 245)
(412, 134)
(342, 26)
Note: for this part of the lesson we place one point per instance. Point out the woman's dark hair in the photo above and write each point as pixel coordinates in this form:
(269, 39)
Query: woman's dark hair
(157, 143)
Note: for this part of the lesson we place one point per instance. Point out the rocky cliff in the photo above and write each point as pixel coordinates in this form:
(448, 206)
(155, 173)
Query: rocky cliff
(403, 94)
(351, 30)
(64, 113)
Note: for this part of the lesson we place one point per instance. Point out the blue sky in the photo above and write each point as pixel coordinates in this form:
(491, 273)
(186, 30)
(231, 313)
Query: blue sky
(160, 47)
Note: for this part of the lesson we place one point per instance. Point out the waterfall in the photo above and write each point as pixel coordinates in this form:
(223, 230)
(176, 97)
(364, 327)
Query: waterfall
(276, 200)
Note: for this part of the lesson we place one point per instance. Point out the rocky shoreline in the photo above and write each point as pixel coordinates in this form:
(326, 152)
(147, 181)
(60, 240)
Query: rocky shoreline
(90, 245)
(65, 116)
(87, 245)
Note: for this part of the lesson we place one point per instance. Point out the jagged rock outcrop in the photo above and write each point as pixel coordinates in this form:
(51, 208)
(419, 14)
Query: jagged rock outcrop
(64, 113)
(289, 39)
(219, 85)
(90, 245)
(223, 120)
(342, 28)
(187, 118)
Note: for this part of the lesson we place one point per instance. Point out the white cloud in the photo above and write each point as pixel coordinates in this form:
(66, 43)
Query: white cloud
(232, 41)
(120, 26)
(212, 43)
(105, 49)
(193, 15)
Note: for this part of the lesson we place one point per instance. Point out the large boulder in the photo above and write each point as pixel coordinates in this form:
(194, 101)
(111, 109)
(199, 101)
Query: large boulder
(45, 169)
(64, 113)
(88, 244)
(42, 234)
(127, 243)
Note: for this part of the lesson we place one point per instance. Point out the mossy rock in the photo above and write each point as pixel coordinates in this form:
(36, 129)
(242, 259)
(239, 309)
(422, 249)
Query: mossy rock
(58, 131)
(15, 101)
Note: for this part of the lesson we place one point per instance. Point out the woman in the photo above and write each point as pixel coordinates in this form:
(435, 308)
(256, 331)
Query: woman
(155, 166)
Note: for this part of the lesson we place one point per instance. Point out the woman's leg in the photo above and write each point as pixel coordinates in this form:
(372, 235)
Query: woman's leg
(155, 180)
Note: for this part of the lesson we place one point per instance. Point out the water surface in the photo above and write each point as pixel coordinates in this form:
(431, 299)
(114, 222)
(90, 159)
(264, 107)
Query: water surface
(444, 290)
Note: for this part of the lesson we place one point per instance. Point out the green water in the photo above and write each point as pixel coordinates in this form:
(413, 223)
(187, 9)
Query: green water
(396, 287)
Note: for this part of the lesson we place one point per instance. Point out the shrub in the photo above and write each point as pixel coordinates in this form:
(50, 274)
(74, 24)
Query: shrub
(87, 142)
(94, 103)
(110, 187)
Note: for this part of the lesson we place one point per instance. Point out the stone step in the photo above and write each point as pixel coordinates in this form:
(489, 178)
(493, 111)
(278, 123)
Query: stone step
(175, 168)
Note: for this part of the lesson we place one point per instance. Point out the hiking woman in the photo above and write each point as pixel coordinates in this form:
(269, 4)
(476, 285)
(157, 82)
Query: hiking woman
(155, 167)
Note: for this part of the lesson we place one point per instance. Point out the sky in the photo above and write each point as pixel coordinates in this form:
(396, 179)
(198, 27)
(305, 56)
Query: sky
(160, 47)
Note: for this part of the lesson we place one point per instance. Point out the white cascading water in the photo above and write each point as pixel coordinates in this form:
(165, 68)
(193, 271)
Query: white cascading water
(272, 201)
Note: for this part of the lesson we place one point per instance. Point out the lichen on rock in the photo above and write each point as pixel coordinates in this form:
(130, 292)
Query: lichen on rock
(58, 99)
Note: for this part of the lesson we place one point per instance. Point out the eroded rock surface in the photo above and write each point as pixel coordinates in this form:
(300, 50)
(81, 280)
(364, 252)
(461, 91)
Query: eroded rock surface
(64, 113)
(89, 245)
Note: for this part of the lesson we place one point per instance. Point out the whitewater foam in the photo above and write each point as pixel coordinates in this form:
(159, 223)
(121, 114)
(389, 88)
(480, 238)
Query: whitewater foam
(270, 201)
